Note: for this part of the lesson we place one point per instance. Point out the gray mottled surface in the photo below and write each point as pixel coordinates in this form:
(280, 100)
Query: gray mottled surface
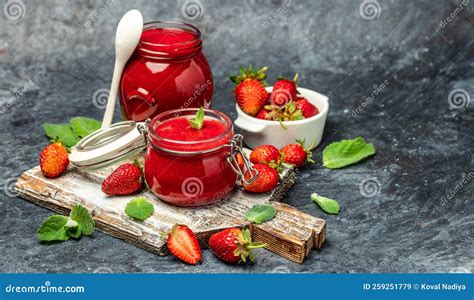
(421, 219)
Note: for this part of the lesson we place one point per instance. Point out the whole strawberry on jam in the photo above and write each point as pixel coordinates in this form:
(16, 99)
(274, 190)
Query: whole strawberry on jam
(233, 245)
(266, 180)
(249, 89)
(183, 244)
(296, 154)
(54, 160)
(306, 107)
(284, 91)
(265, 154)
(126, 179)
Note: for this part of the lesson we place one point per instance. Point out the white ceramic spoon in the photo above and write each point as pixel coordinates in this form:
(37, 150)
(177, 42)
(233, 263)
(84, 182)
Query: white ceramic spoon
(127, 36)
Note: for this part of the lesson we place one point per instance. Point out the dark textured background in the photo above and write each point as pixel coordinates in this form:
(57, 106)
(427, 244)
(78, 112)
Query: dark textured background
(52, 62)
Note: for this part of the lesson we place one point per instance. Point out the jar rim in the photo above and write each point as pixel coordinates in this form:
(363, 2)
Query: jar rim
(170, 114)
(159, 49)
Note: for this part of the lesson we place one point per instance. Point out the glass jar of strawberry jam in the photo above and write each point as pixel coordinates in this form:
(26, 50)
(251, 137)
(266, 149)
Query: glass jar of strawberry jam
(168, 70)
(184, 165)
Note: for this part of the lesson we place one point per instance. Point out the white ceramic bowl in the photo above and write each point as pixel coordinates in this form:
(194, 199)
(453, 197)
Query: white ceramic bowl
(257, 132)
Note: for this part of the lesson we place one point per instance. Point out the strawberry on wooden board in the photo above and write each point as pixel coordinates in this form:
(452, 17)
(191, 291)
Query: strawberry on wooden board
(54, 160)
(296, 154)
(266, 180)
(183, 244)
(306, 107)
(233, 245)
(284, 91)
(126, 179)
(249, 89)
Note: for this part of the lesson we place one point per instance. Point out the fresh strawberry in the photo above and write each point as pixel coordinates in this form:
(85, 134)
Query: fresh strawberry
(53, 160)
(263, 114)
(284, 91)
(307, 108)
(266, 180)
(296, 154)
(125, 180)
(233, 245)
(249, 89)
(264, 154)
(183, 244)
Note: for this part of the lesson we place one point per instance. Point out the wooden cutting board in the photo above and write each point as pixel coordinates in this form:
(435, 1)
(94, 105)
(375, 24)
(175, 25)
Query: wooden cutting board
(291, 234)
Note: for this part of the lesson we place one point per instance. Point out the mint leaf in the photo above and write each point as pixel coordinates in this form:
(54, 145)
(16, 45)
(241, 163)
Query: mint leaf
(80, 215)
(260, 213)
(328, 205)
(61, 133)
(346, 152)
(139, 208)
(53, 229)
(82, 126)
(198, 120)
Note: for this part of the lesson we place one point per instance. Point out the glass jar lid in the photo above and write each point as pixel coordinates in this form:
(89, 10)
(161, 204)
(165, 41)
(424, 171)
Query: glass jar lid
(108, 145)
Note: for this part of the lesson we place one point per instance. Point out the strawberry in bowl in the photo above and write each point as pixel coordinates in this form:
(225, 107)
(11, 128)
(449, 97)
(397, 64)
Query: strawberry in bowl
(285, 113)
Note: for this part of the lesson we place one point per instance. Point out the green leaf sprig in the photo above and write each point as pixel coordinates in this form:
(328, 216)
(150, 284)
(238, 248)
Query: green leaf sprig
(71, 133)
(259, 214)
(346, 152)
(198, 120)
(61, 228)
(139, 209)
(328, 205)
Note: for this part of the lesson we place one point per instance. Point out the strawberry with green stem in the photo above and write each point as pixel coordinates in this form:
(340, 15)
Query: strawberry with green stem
(249, 91)
(233, 245)
(297, 154)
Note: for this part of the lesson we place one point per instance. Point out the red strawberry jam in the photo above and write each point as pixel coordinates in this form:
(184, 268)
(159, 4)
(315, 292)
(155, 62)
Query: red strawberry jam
(186, 166)
(168, 70)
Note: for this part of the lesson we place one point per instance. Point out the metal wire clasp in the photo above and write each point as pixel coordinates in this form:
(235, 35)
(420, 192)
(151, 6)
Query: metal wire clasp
(236, 148)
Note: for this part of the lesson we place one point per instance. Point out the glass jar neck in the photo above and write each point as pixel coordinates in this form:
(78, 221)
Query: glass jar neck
(169, 40)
